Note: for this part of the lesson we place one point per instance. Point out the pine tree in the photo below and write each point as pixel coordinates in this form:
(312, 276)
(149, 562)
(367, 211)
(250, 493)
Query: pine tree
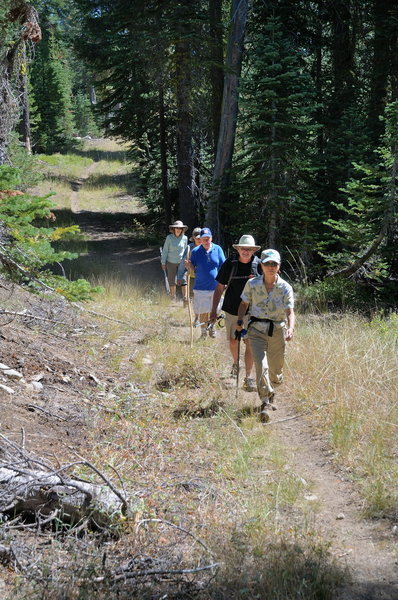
(52, 92)
(276, 125)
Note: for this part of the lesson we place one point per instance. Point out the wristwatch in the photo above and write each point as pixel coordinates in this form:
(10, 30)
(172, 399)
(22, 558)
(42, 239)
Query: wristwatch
(239, 322)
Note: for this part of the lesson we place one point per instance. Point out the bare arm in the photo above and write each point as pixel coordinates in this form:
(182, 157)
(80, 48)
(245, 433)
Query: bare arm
(242, 310)
(291, 320)
(216, 299)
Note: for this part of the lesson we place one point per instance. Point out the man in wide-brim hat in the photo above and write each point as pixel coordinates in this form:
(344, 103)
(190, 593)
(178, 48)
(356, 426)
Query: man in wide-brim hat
(232, 276)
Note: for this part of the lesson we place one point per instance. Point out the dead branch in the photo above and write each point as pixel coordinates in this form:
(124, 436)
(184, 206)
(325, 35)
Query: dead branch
(10, 263)
(97, 314)
(145, 573)
(199, 541)
(31, 486)
(27, 315)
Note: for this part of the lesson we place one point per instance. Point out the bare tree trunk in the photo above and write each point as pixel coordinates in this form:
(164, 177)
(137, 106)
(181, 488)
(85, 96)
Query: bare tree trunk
(25, 116)
(163, 159)
(217, 61)
(10, 63)
(229, 113)
(185, 155)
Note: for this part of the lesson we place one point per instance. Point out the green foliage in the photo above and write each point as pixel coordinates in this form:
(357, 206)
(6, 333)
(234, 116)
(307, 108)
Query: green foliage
(277, 128)
(26, 218)
(51, 82)
(367, 215)
(336, 293)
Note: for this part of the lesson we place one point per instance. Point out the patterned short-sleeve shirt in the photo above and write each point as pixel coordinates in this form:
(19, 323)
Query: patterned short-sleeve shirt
(268, 305)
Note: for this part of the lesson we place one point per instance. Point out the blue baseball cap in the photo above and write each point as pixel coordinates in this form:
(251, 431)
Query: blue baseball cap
(205, 232)
(270, 255)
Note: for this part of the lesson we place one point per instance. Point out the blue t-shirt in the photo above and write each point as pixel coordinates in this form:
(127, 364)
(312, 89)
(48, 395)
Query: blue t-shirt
(206, 266)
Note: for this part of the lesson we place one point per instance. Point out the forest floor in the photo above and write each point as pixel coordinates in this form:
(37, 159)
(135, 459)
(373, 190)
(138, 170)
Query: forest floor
(64, 420)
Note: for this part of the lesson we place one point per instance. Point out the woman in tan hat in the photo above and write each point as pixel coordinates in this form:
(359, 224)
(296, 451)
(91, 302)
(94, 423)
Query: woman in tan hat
(182, 273)
(172, 252)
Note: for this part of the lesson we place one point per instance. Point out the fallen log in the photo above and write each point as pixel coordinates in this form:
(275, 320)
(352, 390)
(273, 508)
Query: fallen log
(34, 489)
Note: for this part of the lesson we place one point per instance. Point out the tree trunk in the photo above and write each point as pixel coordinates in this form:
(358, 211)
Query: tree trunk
(185, 155)
(25, 114)
(216, 70)
(163, 158)
(229, 113)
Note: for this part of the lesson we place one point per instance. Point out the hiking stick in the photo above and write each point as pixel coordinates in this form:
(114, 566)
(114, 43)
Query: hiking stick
(237, 371)
(188, 298)
(166, 281)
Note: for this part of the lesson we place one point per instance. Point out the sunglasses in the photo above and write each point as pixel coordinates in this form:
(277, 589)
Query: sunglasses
(270, 263)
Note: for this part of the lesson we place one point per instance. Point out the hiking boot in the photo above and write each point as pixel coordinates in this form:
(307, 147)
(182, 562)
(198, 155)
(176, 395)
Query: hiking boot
(249, 385)
(212, 332)
(271, 401)
(264, 414)
(234, 370)
(203, 334)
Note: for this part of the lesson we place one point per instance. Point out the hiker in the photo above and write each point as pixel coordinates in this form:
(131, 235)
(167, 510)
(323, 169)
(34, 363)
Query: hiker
(271, 323)
(206, 259)
(172, 252)
(233, 276)
(182, 273)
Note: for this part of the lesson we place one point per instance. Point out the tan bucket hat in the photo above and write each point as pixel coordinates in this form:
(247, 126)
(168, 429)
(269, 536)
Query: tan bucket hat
(195, 233)
(178, 225)
(246, 241)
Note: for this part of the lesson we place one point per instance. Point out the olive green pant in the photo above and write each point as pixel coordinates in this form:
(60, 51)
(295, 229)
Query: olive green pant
(269, 356)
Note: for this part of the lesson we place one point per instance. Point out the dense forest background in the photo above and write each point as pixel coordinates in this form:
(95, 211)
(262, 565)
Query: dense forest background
(277, 118)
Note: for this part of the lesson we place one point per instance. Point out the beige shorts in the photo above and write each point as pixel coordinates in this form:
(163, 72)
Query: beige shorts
(230, 324)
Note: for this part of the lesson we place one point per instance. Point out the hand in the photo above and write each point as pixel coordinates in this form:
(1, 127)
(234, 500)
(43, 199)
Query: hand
(289, 334)
(213, 316)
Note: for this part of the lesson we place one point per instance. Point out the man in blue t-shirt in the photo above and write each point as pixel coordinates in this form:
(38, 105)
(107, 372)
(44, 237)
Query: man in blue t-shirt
(206, 260)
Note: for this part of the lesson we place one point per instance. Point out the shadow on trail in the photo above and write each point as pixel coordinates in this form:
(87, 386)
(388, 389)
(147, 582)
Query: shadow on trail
(110, 249)
(98, 155)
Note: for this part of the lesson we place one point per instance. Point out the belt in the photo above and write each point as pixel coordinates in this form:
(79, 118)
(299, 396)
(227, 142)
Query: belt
(270, 321)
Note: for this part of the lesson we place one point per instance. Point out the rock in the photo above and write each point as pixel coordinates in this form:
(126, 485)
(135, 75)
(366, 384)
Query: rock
(6, 389)
(37, 386)
(4, 367)
(340, 517)
(147, 360)
(311, 497)
(12, 373)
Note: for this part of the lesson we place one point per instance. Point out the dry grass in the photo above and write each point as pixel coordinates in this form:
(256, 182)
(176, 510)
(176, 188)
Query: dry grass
(347, 366)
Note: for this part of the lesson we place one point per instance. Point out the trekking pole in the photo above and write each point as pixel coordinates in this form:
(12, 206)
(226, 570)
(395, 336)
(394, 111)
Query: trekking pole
(166, 281)
(188, 298)
(238, 336)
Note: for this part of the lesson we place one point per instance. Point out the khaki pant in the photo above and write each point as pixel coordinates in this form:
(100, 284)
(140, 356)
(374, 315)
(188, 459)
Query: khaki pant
(269, 355)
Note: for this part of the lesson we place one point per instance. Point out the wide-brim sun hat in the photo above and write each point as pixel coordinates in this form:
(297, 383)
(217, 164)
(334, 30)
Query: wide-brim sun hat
(246, 241)
(178, 225)
(270, 255)
(195, 233)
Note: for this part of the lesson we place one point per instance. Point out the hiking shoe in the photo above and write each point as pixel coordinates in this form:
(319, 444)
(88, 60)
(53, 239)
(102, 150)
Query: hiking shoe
(203, 334)
(249, 385)
(234, 370)
(212, 332)
(264, 415)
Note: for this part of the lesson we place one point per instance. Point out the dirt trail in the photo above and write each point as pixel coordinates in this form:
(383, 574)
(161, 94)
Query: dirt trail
(367, 548)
